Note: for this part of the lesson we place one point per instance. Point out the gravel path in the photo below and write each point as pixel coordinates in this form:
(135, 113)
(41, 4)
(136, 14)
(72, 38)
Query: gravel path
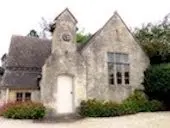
(141, 120)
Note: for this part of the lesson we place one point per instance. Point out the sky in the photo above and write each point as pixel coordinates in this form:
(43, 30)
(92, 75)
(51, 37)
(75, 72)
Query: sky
(18, 17)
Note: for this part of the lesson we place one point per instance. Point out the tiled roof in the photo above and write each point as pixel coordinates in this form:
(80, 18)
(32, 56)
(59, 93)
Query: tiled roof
(25, 53)
(28, 52)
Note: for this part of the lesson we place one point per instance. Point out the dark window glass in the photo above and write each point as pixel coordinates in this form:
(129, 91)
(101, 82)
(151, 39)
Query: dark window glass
(27, 96)
(126, 74)
(111, 73)
(19, 97)
(126, 81)
(119, 74)
(119, 81)
(119, 77)
(111, 79)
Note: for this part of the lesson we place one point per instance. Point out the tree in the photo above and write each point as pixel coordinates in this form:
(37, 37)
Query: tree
(45, 27)
(48, 27)
(156, 82)
(81, 37)
(33, 33)
(155, 40)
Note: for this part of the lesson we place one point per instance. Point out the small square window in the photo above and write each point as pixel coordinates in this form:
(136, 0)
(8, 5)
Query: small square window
(27, 96)
(19, 97)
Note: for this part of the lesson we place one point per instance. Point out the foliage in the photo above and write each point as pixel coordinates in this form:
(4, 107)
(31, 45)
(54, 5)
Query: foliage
(155, 40)
(156, 82)
(81, 37)
(23, 110)
(95, 108)
(33, 33)
(135, 103)
(138, 102)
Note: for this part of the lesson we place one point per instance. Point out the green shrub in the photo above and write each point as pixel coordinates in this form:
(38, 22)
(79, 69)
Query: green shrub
(95, 108)
(137, 102)
(154, 105)
(157, 82)
(23, 110)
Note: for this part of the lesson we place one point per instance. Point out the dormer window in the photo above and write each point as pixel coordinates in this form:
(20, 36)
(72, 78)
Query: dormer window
(118, 69)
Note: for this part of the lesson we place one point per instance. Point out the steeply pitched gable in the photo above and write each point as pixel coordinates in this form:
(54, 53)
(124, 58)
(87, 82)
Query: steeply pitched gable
(68, 13)
(116, 22)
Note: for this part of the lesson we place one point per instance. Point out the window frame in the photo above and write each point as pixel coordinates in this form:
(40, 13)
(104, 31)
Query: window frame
(19, 98)
(23, 97)
(27, 98)
(122, 62)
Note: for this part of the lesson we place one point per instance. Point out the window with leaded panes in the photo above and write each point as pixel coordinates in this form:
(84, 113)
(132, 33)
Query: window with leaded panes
(118, 68)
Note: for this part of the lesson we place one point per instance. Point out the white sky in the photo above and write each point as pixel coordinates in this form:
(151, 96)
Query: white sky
(20, 16)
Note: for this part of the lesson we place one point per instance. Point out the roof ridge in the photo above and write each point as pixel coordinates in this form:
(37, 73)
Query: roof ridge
(29, 37)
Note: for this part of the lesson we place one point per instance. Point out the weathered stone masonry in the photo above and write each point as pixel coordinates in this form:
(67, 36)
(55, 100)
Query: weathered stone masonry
(86, 64)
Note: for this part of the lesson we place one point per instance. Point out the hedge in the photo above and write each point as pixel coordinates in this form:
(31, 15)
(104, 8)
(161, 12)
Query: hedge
(23, 110)
(157, 82)
(136, 102)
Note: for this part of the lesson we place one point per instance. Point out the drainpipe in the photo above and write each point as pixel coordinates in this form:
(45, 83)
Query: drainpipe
(7, 95)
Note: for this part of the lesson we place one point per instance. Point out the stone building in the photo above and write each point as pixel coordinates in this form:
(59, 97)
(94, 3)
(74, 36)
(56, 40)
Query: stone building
(60, 73)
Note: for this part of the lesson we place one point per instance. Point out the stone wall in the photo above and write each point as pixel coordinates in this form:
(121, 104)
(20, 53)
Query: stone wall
(88, 67)
(2, 97)
(35, 95)
(113, 37)
(64, 60)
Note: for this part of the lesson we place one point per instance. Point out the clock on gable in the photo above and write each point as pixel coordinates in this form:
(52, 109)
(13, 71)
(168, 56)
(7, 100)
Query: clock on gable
(66, 37)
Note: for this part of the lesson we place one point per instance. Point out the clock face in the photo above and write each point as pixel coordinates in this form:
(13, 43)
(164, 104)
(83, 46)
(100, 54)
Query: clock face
(66, 37)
